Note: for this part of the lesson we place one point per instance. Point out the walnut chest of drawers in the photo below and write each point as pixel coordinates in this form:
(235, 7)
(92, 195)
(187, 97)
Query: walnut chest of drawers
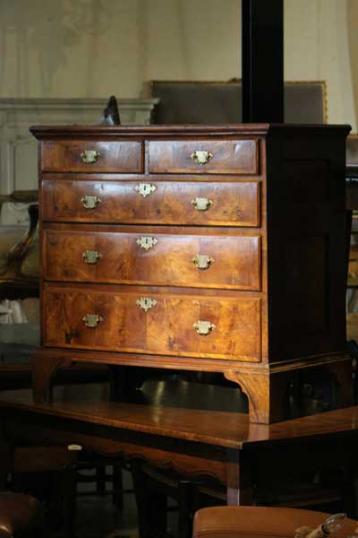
(195, 247)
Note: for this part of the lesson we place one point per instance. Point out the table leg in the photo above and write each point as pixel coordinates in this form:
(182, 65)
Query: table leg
(185, 508)
(70, 499)
(151, 506)
(239, 486)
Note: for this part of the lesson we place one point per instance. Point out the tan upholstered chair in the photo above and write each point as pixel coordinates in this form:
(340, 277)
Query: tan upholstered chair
(260, 522)
(20, 516)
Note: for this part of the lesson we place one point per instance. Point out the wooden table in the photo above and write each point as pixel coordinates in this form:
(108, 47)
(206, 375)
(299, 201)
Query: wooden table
(221, 445)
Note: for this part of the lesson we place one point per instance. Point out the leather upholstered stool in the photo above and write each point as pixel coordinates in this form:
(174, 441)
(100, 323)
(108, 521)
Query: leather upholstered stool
(260, 522)
(20, 516)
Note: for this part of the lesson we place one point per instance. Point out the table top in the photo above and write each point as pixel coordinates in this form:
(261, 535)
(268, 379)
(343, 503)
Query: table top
(220, 428)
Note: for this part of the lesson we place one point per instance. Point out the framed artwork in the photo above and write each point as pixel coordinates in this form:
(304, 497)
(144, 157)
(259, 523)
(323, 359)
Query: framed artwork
(220, 102)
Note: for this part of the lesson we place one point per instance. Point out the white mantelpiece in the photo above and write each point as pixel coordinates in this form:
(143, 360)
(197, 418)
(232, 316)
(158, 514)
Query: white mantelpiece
(18, 153)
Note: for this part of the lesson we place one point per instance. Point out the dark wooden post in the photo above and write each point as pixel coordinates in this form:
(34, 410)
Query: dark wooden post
(262, 61)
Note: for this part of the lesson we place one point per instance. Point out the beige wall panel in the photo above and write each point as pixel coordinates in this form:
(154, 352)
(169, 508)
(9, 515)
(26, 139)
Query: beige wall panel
(93, 48)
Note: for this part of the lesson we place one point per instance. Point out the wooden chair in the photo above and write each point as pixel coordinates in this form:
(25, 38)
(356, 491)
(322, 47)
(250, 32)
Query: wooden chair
(153, 487)
(58, 474)
(15, 282)
(40, 466)
(32, 469)
(261, 522)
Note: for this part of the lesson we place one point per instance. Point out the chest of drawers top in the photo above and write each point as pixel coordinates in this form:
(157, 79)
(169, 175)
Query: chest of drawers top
(230, 150)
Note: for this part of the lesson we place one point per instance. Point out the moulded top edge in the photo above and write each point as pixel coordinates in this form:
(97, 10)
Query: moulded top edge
(70, 131)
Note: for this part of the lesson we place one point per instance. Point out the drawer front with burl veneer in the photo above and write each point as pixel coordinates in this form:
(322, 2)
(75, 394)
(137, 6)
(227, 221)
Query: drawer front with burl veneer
(125, 256)
(154, 202)
(203, 157)
(87, 156)
(152, 321)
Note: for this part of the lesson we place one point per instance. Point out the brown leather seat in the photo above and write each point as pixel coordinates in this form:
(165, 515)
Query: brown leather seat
(259, 522)
(20, 515)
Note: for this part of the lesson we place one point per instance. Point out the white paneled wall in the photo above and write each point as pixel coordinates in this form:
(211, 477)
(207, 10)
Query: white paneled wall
(317, 47)
(18, 148)
(92, 48)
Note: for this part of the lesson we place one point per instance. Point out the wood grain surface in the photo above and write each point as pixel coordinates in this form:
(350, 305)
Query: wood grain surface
(232, 204)
(264, 203)
(116, 156)
(233, 261)
(166, 328)
(220, 428)
(227, 157)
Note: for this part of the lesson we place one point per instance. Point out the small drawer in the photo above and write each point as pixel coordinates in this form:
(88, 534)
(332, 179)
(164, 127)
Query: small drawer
(152, 202)
(152, 321)
(158, 258)
(203, 157)
(87, 156)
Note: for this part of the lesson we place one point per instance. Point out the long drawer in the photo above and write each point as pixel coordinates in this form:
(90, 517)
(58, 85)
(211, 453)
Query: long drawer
(88, 156)
(203, 156)
(154, 202)
(159, 258)
(153, 321)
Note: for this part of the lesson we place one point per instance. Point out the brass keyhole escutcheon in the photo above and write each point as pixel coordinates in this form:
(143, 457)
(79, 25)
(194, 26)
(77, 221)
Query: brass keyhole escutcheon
(146, 303)
(91, 256)
(201, 156)
(202, 204)
(145, 189)
(90, 202)
(202, 261)
(146, 242)
(90, 156)
(92, 320)
(203, 328)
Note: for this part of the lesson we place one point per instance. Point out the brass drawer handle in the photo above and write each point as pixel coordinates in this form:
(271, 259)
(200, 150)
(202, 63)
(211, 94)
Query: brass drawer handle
(90, 156)
(74, 447)
(201, 156)
(91, 256)
(146, 242)
(146, 303)
(202, 204)
(204, 327)
(90, 202)
(145, 189)
(202, 261)
(92, 320)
